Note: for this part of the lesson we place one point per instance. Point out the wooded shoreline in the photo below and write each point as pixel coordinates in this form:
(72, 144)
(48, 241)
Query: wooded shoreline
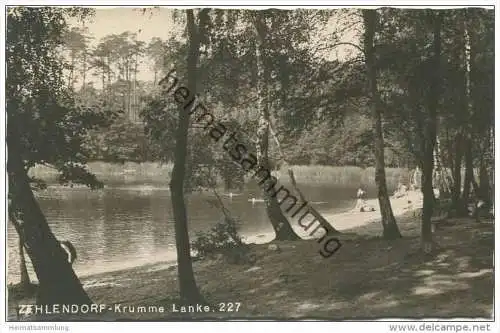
(158, 173)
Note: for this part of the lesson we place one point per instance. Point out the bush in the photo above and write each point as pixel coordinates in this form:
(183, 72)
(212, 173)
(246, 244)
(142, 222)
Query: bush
(223, 239)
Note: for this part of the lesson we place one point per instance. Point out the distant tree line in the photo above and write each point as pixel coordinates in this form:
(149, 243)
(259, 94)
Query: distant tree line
(107, 71)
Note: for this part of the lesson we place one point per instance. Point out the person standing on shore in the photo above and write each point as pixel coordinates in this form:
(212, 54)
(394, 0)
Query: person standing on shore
(415, 179)
(361, 195)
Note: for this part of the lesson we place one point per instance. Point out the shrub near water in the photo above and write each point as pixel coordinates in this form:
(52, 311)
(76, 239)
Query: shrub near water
(223, 239)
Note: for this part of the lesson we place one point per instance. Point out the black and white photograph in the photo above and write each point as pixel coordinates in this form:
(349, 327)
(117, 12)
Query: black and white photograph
(274, 163)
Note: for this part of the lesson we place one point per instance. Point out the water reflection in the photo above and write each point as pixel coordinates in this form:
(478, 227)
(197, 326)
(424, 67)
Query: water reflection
(123, 227)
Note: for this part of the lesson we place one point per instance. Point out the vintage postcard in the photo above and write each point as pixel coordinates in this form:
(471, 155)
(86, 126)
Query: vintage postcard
(216, 163)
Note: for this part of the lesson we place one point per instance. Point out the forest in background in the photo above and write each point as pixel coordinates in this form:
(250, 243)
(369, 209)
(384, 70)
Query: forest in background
(106, 70)
(329, 126)
(419, 94)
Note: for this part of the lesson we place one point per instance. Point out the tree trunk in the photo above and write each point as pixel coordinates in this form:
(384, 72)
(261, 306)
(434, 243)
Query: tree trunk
(84, 67)
(25, 277)
(129, 88)
(484, 183)
(457, 174)
(108, 68)
(486, 155)
(71, 83)
(440, 172)
(135, 105)
(84, 71)
(84, 56)
(188, 289)
(469, 175)
(58, 283)
(469, 171)
(280, 223)
(228, 182)
(391, 230)
(429, 139)
(103, 77)
(322, 221)
(25, 281)
(428, 202)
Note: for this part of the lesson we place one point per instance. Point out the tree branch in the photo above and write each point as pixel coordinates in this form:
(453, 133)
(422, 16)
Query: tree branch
(359, 48)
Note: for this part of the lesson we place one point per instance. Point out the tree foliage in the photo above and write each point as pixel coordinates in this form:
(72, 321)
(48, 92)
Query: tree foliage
(44, 116)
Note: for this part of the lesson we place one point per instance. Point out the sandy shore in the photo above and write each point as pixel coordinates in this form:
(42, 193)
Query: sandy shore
(353, 218)
(411, 201)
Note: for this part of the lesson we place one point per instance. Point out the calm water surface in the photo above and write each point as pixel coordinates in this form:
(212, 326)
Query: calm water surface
(121, 227)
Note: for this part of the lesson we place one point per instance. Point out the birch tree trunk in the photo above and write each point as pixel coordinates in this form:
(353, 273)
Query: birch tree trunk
(457, 175)
(429, 138)
(469, 172)
(391, 230)
(280, 223)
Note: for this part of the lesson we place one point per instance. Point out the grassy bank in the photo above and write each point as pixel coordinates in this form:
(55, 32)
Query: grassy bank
(117, 173)
(367, 278)
(343, 175)
(156, 173)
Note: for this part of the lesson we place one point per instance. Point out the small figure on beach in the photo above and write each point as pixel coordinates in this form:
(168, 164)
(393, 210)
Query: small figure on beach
(361, 193)
(361, 204)
(401, 191)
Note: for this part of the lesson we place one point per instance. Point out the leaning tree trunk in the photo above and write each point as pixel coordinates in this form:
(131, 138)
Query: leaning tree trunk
(189, 292)
(25, 278)
(429, 140)
(280, 223)
(58, 283)
(391, 230)
(322, 221)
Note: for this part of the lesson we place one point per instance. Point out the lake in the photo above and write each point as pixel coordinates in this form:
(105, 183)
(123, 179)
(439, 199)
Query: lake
(120, 227)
